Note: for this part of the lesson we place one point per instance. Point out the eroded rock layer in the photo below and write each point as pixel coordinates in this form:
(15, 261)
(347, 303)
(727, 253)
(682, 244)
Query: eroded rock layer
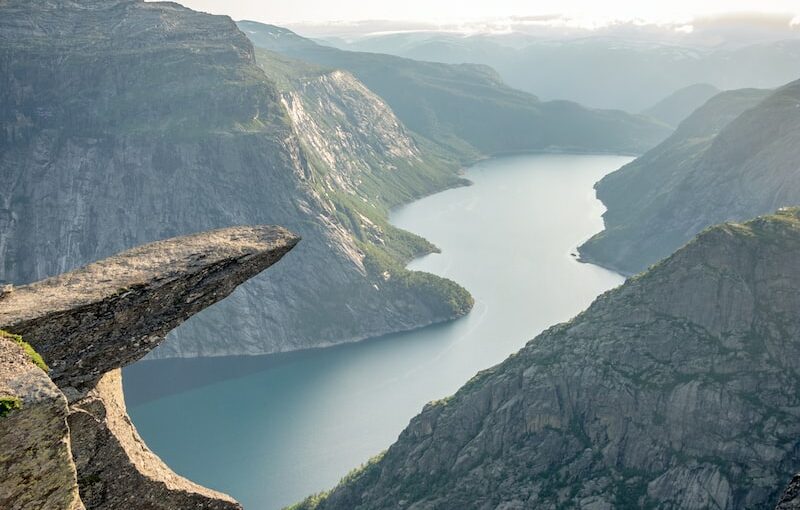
(117, 469)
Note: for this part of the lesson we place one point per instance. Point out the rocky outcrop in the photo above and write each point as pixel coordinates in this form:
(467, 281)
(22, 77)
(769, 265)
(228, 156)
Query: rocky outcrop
(125, 122)
(790, 500)
(675, 390)
(113, 312)
(36, 467)
(86, 325)
(733, 159)
(116, 468)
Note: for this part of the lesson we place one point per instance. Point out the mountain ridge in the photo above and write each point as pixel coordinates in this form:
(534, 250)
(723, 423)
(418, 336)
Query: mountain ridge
(725, 162)
(681, 103)
(645, 399)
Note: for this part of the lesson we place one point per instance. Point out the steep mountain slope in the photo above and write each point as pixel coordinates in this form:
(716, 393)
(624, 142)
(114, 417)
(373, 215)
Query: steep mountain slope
(125, 121)
(734, 158)
(676, 390)
(463, 106)
(681, 103)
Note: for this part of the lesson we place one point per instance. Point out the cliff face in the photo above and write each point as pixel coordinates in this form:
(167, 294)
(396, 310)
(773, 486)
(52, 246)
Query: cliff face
(733, 159)
(86, 324)
(675, 390)
(125, 122)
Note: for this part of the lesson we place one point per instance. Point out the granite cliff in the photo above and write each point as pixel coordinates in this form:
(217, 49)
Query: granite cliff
(66, 441)
(734, 158)
(676, 390)
(123, 122)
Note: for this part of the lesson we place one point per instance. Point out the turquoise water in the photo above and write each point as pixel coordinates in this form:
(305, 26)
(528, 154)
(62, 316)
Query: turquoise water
(270, 430)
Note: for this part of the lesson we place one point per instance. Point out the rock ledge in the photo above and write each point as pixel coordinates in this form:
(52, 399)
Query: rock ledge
(87, 324)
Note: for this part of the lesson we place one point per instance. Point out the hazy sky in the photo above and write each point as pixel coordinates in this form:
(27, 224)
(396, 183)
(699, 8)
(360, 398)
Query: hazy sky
(293, 11)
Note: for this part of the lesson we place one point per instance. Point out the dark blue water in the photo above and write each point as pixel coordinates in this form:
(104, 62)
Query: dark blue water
(270, 430)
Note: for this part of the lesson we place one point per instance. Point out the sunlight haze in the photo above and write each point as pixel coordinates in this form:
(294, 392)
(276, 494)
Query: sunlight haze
(448, 11)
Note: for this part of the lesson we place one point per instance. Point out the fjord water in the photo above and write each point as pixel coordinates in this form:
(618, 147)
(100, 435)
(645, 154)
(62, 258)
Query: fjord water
(271, 430)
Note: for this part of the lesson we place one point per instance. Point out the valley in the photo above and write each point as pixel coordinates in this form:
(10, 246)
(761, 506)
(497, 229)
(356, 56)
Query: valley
(283, 427)
(510, 263)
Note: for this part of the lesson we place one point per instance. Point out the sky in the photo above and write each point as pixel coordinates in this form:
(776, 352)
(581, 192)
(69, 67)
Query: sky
(445, 11)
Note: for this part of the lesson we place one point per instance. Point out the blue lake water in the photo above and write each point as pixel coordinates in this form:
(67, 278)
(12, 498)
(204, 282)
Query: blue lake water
(271, 430)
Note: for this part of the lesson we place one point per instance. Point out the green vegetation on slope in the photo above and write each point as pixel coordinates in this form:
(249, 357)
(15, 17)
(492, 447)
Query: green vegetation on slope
(9, 404)
(34, 356)
(363, 209)
(356, 475)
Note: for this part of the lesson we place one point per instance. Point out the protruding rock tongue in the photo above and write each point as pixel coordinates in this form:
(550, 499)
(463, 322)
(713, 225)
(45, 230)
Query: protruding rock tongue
(89, 323)
(111, 313)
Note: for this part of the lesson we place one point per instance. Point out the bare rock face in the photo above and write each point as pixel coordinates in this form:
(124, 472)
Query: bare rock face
(790, 500)
(36, 468)
(87, 324)
(116, 467)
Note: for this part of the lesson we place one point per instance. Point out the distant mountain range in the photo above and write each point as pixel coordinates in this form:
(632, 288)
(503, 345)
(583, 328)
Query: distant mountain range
(468, 108)
(680, 104)
(172, 123)
(624, 70)
(736, 157)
